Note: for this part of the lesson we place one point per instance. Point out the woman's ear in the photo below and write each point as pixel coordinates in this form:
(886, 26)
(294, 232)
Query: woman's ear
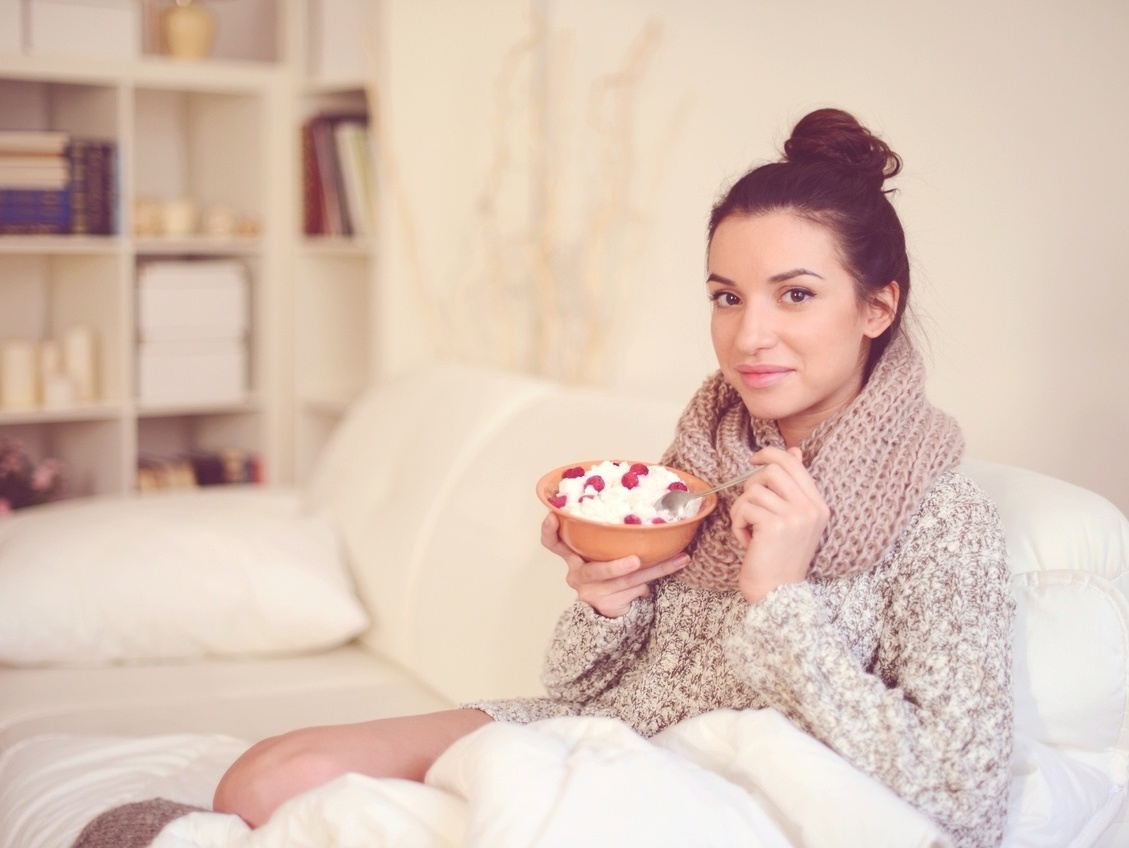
(881, 308)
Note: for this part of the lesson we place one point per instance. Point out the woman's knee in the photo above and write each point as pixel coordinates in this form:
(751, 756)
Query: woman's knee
(274, 770)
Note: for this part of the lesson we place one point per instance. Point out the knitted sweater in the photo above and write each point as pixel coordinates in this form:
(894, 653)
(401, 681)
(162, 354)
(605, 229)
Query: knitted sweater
(904, 669)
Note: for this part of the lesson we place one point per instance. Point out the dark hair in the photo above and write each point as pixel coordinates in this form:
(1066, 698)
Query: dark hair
(831, 174)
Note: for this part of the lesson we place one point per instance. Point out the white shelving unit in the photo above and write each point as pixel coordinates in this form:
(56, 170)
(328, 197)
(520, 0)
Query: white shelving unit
(221, 129)
(204, 130)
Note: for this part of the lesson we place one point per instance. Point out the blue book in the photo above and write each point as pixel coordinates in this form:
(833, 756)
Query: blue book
(35, 211)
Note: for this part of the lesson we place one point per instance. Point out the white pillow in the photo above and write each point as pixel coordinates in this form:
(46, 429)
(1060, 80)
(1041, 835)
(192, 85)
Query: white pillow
(212, 572)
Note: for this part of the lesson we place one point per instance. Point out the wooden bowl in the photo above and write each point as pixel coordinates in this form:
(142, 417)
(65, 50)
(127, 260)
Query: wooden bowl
(603, 542)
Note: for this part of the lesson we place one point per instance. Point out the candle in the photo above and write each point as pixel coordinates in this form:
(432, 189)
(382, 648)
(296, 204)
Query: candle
(78, 360)
(18, 374)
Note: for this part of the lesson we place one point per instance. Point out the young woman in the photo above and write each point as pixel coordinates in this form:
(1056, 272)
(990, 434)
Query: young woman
(857, 584)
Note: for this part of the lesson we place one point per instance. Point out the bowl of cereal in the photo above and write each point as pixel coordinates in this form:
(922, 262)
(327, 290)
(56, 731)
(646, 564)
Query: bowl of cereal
(606, 508)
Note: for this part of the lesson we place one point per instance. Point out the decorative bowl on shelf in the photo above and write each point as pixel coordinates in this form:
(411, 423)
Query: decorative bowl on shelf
(603, 541)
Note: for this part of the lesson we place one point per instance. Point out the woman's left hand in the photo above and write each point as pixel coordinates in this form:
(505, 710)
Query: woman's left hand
(780, 517)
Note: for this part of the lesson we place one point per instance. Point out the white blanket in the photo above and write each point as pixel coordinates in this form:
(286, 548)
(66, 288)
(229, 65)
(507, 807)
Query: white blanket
(721, 779)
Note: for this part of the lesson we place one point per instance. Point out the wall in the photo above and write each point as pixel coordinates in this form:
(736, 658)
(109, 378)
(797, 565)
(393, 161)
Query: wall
(1013, 120)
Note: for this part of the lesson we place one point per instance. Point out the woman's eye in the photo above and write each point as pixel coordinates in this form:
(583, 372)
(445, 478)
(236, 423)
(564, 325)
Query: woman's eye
(797, 295)
(724, 298)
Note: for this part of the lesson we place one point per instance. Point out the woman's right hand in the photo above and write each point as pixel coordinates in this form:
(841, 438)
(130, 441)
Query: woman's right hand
(607, 587)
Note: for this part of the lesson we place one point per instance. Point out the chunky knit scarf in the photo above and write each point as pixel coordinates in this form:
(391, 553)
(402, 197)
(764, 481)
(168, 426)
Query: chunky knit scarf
(873, 462)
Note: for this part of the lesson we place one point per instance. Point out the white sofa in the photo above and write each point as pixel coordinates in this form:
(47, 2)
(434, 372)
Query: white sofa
(119, 634)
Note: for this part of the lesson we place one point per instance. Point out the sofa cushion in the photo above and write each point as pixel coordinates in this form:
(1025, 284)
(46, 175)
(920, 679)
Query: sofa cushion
(1052, 524)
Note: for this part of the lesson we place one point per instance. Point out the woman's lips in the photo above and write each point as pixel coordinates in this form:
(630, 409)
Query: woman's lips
(763, 376)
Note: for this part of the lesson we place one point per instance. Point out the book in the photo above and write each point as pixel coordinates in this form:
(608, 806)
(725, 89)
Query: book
(35, 211)
(93, 186)
(325, 180)
(352, 147)
(34, 172)
(33, 141)
(312, 221)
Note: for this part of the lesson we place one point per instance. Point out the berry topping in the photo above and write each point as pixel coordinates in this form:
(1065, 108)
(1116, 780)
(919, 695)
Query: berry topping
(640, 469)
(630, 480)
(558, 500)
(632, 519)
(575, 471)
(677, 486)
(596, 482)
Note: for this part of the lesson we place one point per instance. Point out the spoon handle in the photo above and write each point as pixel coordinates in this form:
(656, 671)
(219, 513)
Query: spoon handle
(740, 478)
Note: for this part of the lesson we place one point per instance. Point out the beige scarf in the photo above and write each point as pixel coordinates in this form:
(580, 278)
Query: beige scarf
(873, 462)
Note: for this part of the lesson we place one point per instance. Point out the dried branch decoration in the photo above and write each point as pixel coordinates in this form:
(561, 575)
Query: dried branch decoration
(538, 292)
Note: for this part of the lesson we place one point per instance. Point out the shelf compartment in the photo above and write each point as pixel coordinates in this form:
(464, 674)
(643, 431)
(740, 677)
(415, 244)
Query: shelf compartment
(176, 434)
(83, 109)
(83, 447)
(332, 347)
(200, 146)
(49, 294)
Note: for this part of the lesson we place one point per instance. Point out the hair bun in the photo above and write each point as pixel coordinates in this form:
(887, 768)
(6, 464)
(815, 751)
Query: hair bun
(836, 137)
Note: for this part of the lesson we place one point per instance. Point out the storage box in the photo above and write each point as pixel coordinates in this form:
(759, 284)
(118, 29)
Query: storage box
(192, 300)
(11, 26)
(191, 372)
(105, 29)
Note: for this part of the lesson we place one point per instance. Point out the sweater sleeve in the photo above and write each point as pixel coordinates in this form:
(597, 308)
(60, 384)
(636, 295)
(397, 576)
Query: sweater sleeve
(589, 652)
(931, 714)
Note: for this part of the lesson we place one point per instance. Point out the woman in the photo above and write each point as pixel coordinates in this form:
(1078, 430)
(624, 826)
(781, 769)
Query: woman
(857, 584)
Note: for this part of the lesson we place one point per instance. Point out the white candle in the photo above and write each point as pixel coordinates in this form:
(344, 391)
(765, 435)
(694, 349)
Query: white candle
(79, 360)
(18, 374)
(50, 359)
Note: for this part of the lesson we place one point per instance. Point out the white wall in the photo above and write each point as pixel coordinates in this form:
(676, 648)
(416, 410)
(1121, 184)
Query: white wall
(1013, 120)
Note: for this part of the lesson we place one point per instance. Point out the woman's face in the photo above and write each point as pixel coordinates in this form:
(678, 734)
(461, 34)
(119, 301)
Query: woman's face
(789, 331)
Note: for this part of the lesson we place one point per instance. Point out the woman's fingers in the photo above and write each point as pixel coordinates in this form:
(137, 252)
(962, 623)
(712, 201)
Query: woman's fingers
(608, 587)
(779, 517)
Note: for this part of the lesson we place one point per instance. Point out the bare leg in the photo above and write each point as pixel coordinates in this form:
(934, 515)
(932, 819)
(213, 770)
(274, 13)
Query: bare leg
(276, 769)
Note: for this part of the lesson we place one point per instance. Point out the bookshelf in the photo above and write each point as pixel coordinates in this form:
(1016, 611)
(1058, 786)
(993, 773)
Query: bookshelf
(224, 131)
(205, 131)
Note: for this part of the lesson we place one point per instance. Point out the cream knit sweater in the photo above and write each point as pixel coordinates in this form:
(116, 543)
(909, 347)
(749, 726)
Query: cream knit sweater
(904, 669)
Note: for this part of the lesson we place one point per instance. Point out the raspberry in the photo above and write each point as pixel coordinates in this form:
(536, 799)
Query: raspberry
(584, 498)
(632, 519)
(657, 520)
(640, 469)
(575, 471)
(630, 480)
(677, 486)
(596, 482)
(558, 501)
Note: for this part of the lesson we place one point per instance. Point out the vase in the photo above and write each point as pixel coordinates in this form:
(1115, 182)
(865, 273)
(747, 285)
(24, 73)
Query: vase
(189, 30)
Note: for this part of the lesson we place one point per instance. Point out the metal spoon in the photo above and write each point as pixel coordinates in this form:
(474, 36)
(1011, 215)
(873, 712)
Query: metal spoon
(673, 504)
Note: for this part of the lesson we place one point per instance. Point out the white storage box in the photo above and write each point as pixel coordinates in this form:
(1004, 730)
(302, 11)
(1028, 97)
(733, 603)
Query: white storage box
(191, 371)
(192, 300)
(11, 26)
(106, 29)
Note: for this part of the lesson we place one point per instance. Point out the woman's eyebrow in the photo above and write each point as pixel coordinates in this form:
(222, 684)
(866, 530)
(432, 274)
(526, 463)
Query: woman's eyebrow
(784, 276)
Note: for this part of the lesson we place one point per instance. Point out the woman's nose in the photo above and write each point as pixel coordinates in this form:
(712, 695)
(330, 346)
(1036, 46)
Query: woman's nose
(757, 330)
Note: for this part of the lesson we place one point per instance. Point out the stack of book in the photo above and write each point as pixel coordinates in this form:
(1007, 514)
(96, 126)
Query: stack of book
(198, 468)
(337, 175)
(53, 183)
(192, 321)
